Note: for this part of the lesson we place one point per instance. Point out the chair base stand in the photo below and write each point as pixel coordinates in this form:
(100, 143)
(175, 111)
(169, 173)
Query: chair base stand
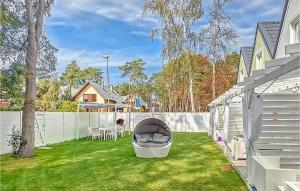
(151, 152)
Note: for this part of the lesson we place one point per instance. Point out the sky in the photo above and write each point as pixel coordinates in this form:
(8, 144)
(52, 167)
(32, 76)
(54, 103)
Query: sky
(85, 30)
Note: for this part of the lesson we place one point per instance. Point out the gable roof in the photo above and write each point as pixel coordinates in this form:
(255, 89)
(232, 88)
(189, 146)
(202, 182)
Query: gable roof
(246, 52)
(103, 91)
(281, 24)
(270, 33)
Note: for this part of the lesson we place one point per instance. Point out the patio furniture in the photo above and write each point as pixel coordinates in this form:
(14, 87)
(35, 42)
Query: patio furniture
(152, 138)
(89, 132)
(95, 133)
(100, 132)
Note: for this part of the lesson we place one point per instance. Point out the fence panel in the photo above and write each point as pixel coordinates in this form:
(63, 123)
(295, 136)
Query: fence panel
(54, 127)
(7, 121)
(63, 126)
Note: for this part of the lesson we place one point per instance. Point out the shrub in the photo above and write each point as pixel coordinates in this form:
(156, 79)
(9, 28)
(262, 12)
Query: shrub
(15, 141)
(68, 106)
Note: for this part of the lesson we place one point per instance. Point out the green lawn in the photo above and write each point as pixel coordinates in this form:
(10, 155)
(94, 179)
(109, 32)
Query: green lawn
(194, 163)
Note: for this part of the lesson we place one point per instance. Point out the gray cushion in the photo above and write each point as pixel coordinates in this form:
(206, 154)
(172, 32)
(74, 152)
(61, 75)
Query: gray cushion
(157, 135)
(143, 138)
(160, 138)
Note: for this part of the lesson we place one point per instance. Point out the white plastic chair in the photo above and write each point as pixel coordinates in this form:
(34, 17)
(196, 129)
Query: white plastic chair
(121, 130)
(89, 132)
(110, 134)
(95, 133)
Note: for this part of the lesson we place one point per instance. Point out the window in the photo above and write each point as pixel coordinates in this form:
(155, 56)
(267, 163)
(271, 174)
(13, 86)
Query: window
(85, 98)
(295, 30)
(89, 98)
(259, 60)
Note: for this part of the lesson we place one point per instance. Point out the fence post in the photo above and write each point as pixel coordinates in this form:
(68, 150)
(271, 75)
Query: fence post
(185, 121)
(63, 126)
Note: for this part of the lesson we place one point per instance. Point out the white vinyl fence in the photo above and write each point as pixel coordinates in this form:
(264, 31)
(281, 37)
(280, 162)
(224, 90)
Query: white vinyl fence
(62, 126)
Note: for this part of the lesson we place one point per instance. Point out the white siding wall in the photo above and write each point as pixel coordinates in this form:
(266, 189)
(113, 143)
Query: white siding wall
(293, 9)
(62, 126)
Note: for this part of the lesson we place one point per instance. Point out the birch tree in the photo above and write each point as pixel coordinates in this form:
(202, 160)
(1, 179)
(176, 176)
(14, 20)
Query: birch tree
(181, 32)
(177, 19)
(35, 11)
(218, 35)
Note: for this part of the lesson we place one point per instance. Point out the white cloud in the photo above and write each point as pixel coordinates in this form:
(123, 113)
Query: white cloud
(87, 58)
(129, 11)
(141, 33)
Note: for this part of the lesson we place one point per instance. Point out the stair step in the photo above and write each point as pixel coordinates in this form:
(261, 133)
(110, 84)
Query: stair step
(290, 166)
(281, 96)
(277, 116)
(294, 134)
(269, 146)
(279, 153)
(280, 128)
(290, 140)
(281, 110)
(281, 103)
(290, 122)
(289, 160)
(280, 188)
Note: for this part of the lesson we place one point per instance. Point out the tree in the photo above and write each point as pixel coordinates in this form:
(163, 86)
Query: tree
(71, 76)
(47, 94)
(74, 76)
(91, 74)
(218, 36)
(177, 19)
(171, 83)
(35, 11)
(14, 36)
(11, 86)
(68, 106)
(181, 33)
(135, 72)
(122, 89)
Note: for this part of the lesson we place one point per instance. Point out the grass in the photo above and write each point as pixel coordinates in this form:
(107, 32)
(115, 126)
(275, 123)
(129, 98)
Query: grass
(194, 163)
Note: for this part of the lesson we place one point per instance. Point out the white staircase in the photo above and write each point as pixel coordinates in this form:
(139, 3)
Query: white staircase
(289, 186)
(235, 120)
(280, 131)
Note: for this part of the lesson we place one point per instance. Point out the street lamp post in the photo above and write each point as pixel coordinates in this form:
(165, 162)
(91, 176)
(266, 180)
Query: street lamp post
(106, 57)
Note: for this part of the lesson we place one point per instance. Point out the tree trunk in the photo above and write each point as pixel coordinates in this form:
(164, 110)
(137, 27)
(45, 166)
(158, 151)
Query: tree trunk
(191, 92)
(214, 82)
(34, 31)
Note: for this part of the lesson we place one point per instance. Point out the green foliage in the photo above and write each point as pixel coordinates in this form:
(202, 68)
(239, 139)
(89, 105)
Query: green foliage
(67, 94)
(47, 95)
(194, 163)
(68, 106)
(11, 86)
(134, 71)
(122, 89)
(74, 76)
(178, 25)
(91, 74)
(14, 141)
(14, 36)
(71, 75)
